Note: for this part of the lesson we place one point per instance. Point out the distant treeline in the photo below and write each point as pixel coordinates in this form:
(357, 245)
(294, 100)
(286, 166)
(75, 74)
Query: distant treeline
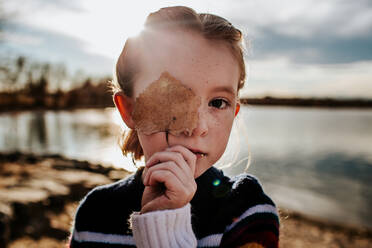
(26, 85)
(310, 102)
(88, 95)
(91, 95)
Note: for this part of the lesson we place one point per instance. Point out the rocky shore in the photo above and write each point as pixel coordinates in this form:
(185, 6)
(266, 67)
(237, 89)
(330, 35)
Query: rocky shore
(39, 196)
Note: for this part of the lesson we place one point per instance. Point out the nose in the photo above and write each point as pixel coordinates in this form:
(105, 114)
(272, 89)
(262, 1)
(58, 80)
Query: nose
(202, 127)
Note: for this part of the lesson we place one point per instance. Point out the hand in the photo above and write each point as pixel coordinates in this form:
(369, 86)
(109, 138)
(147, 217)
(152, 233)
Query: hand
(169, 179)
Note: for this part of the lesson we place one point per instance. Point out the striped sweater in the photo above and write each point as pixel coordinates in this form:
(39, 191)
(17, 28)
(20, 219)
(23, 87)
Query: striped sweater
(225, 212)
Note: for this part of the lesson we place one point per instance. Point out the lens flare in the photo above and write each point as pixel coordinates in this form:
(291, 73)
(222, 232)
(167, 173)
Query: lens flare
(216, 182)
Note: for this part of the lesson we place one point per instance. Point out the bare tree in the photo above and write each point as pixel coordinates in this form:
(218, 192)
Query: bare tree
(59, 74)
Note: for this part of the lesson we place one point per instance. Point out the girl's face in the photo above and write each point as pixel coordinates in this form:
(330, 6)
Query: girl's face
(211, 71)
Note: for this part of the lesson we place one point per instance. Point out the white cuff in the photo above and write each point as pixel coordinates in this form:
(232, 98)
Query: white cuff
(163, 228)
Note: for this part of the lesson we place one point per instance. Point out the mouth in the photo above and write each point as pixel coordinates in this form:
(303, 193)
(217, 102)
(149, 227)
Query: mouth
(198, 153)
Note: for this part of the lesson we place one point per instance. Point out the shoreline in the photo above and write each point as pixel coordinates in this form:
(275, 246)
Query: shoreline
(39, 196)
(309, 102)
(294, 102)
(298, 228)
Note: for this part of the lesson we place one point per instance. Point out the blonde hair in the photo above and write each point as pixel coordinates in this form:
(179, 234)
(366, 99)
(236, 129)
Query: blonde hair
(209, 26)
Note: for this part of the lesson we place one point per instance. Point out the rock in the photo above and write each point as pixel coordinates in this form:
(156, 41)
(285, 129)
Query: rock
(36, 189)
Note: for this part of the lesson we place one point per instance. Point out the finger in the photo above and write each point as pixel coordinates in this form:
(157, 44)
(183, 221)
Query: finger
(160, 203)
(188, 156)
(169, 165)
(144, 173)
(181, 189)
(176, 157)
(175, 194)
(164, 156)
(166, 177)
(175, 190)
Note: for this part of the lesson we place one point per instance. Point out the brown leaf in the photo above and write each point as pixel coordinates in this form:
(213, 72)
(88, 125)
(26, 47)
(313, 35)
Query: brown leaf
(166, 105)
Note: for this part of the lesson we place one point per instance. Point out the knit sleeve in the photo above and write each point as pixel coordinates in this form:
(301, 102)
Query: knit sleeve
(165, 228)
(256, 222)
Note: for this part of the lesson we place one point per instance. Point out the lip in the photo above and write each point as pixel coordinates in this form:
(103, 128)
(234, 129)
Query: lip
(198, 153)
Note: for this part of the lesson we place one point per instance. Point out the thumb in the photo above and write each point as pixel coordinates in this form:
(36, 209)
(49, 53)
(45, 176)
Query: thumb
(158, 203)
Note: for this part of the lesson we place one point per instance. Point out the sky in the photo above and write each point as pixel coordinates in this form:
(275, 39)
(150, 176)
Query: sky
(300, 48)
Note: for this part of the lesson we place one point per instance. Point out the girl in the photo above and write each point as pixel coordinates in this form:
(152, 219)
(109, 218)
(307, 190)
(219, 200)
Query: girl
(179, 199)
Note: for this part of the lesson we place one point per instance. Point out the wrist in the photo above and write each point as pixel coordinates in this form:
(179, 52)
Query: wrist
(163, 228)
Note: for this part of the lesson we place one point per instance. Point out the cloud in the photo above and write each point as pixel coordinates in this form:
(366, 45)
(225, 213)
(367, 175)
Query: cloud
(334, 31)
(318, 49)
(23, 7)
(305, 18)
(20, 38)
(301, 47)
(47, 46)
(280, 77)
(58, 4)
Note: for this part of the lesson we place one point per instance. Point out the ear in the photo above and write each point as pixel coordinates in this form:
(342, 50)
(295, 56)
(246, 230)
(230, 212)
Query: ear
(125, 106)
(237, 108)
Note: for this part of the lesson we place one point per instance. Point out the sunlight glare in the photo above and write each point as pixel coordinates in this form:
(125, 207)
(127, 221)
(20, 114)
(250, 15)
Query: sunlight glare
(116, 22)
(106, 30)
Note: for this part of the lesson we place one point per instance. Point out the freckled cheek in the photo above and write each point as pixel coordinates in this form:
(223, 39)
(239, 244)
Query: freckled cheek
(219, 138)
(221, 124)
(222, 120)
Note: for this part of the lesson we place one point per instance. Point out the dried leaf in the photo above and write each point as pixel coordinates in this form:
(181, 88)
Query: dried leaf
(166, 105)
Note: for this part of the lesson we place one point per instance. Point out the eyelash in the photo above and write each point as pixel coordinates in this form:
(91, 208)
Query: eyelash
(227, 103)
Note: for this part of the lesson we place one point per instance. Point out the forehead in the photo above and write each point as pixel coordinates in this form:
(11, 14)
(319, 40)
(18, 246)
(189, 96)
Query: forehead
(199, 63)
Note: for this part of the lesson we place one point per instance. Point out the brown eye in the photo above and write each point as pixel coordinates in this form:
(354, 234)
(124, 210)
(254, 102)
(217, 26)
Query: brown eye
(218, 103)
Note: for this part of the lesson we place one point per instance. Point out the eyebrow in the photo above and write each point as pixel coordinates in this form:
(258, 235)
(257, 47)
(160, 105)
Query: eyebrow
(227, 89)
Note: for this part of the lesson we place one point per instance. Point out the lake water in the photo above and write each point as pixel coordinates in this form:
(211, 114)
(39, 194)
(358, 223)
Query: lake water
(315, 161)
